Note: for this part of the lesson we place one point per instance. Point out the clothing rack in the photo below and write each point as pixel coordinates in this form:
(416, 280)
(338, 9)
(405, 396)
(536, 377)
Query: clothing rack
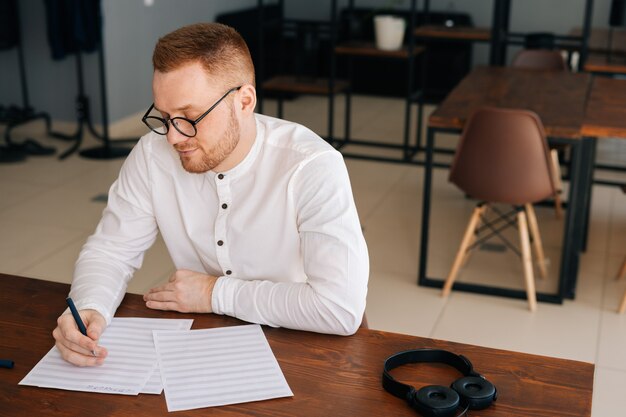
(83, 115)
(14, 152)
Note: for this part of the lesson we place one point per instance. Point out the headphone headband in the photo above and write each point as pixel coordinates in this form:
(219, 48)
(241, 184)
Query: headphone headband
(460, 362)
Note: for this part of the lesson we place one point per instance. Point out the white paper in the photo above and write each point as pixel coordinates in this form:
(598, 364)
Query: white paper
(212, 367)
(126, 370)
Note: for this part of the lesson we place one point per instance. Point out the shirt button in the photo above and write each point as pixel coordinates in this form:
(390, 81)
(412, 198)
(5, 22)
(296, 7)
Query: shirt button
(229, 272)
(224, 206)
(220, 242)
(220, 176)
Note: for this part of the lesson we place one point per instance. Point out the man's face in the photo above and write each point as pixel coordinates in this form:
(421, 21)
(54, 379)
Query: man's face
(188, 92)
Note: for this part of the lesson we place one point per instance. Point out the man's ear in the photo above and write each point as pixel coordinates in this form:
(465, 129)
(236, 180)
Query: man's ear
(247, 94)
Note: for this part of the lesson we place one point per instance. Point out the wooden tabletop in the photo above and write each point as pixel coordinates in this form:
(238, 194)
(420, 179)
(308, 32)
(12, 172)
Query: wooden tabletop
(369, 49)
(557, 97)
(454, 32)
(329, 375)
(600, 64)
(606, 108)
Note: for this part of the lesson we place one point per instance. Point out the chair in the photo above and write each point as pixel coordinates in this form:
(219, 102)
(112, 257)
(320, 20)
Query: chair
(546, 59)
(503, 157)
(543, 59)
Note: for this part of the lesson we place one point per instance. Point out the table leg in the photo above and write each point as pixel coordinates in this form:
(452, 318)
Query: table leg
(428, 172)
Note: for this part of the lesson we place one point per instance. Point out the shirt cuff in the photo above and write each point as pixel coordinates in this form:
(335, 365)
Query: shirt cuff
(223, 296)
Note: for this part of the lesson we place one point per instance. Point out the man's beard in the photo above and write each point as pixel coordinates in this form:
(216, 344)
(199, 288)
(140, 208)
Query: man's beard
(209, 159)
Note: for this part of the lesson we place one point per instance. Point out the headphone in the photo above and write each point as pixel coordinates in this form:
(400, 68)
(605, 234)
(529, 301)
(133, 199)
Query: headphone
(472, 391)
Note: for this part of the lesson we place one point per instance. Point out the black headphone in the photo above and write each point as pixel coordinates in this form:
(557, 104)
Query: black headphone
(472, 391)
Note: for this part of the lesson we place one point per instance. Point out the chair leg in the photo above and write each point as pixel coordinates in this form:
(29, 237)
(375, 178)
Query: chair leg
(468, 253)
(527, 261)
(467, 238)
(622, 271)
(558, 185)
(622, 306)
(537, 244)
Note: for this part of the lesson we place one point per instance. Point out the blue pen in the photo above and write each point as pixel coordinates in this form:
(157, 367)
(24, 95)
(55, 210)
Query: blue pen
(77, 319)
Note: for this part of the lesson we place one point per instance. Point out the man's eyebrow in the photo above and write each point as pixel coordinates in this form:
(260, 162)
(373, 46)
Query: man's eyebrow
(182, 108)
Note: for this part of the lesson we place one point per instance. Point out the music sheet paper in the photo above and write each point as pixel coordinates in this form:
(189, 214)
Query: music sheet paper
(129, 365)
(212, 367)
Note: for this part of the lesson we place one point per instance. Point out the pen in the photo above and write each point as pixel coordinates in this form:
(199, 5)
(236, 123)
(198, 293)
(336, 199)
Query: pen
(6, 363)
(78, 320)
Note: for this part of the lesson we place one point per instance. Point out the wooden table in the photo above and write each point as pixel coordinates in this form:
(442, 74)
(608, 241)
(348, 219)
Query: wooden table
(560, 100)
(605, 113)
(329, 375)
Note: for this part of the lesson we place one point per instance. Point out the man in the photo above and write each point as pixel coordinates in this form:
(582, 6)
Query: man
(257, 213)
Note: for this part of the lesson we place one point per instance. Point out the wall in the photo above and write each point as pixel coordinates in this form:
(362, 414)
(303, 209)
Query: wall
(132, 28)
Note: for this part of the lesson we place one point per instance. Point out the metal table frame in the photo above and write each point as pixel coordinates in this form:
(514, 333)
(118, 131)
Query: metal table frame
(576, 221)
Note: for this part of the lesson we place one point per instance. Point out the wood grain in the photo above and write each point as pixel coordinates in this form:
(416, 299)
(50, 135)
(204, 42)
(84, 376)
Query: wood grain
(329, 375)
(605, 114)
(558, 98)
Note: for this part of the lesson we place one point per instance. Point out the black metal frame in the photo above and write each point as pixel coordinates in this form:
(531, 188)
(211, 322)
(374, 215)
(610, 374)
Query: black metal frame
(574, 238)
(413, 96)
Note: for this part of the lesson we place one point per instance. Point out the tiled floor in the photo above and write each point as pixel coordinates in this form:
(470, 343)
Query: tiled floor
(49, 207)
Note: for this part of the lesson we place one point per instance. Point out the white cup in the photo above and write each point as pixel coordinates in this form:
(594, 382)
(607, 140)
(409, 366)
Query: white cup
(389, 32)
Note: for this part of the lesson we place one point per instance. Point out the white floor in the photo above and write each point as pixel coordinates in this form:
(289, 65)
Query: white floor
(49, 207)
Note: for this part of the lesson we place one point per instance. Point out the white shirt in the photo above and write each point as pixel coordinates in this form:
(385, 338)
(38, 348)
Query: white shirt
(280, 230)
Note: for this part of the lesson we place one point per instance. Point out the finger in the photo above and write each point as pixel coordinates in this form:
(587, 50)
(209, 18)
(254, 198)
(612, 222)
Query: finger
(95, 326)
(61, 340)
(79, 359)
(160, 296)
(74, 338)
(163, 305)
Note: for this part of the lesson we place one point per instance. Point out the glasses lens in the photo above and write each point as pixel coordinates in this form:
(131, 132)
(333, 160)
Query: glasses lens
(184, 126)
(156, 125)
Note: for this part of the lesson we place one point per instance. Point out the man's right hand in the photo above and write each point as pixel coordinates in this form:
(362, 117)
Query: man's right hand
(76, 348)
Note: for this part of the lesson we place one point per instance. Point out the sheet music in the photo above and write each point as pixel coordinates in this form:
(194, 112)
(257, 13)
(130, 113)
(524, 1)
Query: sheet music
(211, 367)
(127, 368)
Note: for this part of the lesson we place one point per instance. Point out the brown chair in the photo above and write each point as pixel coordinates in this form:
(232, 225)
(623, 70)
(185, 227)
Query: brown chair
(503, 157)
(545, 59)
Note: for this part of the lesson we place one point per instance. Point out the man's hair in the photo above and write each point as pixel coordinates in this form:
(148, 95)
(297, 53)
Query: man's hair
(219, 48)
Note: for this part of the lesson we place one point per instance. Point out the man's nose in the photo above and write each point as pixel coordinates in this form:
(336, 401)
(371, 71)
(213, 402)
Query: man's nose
(174, 136)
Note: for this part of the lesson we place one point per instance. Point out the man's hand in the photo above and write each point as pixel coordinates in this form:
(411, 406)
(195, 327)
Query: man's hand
(187, 291)
(74, 346)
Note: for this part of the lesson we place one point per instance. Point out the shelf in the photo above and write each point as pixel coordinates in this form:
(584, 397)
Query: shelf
(368, 49)
(455, 32)
(303, 85)
(598, 63)
(599, 40)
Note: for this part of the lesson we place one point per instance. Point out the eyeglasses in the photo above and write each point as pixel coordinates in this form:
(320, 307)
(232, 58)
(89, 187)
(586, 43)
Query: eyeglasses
(185, 126)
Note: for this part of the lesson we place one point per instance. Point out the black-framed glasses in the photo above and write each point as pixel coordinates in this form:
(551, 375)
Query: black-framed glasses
(185, 126)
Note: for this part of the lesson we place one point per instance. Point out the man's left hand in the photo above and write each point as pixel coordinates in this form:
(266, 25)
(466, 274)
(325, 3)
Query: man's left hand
(187, 291)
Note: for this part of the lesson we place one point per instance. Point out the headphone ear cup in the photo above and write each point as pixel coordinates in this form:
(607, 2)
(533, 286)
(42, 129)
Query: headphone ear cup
(436, 401)
(476, 392)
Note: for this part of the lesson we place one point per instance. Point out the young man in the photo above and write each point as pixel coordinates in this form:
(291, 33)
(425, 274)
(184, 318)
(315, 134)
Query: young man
(257, 213)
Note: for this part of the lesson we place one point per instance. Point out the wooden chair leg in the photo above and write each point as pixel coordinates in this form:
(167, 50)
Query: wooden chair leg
(558, 184)
(622, 306)
(622, 271)
(469, 232)
(527, 261)
(537, 244)
(468, 253)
